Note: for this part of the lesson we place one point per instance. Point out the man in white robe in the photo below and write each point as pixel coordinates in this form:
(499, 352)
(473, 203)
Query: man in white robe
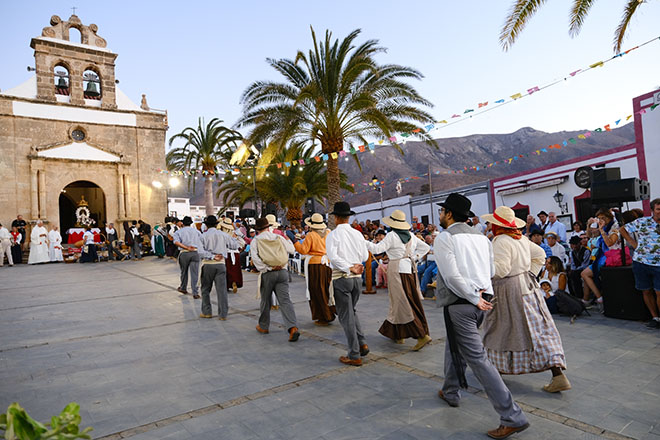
(55, 244)
(39, 244)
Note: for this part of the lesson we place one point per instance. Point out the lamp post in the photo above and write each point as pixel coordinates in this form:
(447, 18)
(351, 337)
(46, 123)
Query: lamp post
(379, 188)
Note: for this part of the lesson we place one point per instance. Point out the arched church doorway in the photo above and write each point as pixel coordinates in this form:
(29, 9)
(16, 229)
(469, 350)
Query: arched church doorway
(78, 194)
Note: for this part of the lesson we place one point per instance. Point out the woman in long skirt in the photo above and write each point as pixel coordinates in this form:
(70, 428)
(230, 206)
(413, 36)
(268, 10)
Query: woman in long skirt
(520, 335)
(16, 252)
(318, 274)
(406, 318)
(233, 261)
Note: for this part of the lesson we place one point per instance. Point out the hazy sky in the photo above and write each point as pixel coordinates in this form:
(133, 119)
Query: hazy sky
(195, 58)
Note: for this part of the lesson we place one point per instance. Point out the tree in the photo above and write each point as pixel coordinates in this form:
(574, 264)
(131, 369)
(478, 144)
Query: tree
(290, 187)
(335, 95)
(523, 10)
(205, 148)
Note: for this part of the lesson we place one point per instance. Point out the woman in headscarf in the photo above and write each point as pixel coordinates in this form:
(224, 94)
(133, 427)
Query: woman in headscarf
(232, 259)
(318, 273)
(406, 318)
(519, 333)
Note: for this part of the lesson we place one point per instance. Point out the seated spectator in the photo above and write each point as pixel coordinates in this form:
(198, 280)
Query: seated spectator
(557, 249)
(579, 259)
(381, 272)
(378, 237)
(555, 275)
(577, 229)
(531, 226)
(428, 269)
(644, 234)
(554, 225)
(608, 238)
(537, 238)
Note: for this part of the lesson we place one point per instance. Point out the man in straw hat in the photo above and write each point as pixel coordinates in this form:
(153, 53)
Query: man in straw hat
(318, 274)
(465, 266)
(232, 262)
(519, 333)
(213, 253)
(406, 318)
(347, 249)
(188, 239)
(269, 253)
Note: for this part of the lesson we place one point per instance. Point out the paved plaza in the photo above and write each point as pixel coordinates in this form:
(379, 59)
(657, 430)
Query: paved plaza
(119, 340)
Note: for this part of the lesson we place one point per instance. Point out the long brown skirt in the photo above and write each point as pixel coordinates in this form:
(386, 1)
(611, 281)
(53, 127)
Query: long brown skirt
(320, 277)
(234, 273)
(418, 327)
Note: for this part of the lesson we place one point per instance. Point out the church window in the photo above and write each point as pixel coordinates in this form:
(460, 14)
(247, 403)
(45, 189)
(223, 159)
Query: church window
(61, 77)
(91, 85)
(78, 135)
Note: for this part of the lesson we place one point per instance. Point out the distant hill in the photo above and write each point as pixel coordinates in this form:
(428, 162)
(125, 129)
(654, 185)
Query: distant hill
(474, 150)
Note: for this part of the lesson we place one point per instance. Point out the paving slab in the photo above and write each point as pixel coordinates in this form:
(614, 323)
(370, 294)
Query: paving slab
(118, 339)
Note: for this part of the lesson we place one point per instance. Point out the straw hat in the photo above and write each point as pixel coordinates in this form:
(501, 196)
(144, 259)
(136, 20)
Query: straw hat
(397, 220)
(315, 221)
(272, 221)
(226, 225)
(505, 217)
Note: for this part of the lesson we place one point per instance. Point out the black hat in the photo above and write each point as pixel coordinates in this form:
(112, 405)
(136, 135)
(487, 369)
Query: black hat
(342, 209)
(211, 221)
(261, 224)
(459, 204)
(575, 240)
(187, 221)
(542, 213)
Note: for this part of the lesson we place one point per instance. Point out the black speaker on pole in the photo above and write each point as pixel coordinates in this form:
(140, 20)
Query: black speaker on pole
(620, 298)
(247, 213)
(621, 190)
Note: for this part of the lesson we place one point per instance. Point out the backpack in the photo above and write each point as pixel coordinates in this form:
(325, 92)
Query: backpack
(569, 305)
(272, 252)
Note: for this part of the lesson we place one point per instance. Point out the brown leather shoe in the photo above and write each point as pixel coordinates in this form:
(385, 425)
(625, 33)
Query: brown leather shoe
(348, 361)
(505, 431)
(196, 296)
(450, 403)
(364, 350)
(182, 291)
(260, 330)
(205, 316)
(294, 334)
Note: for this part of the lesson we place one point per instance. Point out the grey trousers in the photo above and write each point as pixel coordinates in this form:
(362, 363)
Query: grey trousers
(136, 252)
(466, 319)
(214, 272)
(189, 261)
(276, 281)
(347, 295)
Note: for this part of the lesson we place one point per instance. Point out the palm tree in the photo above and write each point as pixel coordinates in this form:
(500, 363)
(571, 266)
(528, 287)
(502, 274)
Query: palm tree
(205, 148)
(523, 10)
(289, 186)
(336, 95)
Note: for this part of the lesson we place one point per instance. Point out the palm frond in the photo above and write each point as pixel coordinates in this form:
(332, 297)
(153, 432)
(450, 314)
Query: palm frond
(578, 14)
(519, 15)
(620, 33)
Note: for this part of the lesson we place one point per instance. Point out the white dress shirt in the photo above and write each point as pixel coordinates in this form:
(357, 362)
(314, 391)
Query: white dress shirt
(559, 251)
(88, 236)
(395, 249)
(345, 248)
(4, 234)
(558, 228)
(254, 248)
(465, 262)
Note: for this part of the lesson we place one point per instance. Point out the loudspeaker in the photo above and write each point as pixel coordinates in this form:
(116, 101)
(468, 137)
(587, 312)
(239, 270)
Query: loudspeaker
(620, 298)
(605, 174)
(623, 190)
(245, 213)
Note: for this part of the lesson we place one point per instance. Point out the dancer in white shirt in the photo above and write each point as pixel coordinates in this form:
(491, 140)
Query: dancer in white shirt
(55, 244)
(5, 246)
(347, 250)
(406, 318)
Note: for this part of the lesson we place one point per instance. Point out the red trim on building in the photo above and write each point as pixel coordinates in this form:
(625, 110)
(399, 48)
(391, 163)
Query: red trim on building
(639, 134)
(585, 195)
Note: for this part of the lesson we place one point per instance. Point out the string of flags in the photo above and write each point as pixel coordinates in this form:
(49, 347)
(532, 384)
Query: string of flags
(508, 161)
(485, 106)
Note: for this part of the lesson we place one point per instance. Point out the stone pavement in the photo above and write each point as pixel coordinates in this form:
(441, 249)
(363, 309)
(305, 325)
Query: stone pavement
(118, 339)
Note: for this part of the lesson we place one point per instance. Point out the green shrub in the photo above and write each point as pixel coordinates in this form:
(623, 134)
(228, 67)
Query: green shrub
(18, 425)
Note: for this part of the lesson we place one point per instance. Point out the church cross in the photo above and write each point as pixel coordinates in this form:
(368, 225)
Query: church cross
(74, 10)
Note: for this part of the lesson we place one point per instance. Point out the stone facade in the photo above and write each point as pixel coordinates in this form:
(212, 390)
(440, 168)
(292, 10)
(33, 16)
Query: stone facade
(38, 145)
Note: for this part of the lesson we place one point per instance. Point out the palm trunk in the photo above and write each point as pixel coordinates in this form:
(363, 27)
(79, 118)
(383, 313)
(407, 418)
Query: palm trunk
(294, 216)
(332, 146)
(208, 196)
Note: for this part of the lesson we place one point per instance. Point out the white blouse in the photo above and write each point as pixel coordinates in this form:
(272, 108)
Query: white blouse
(395, 249)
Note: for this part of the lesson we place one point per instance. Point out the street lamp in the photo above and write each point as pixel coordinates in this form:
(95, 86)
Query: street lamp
(559, 198)
(378, 188)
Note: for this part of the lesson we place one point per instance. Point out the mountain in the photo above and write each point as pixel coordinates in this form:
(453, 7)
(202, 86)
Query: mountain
(474, 150)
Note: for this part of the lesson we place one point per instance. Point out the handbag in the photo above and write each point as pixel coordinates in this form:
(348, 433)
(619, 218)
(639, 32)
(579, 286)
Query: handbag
(613, 257)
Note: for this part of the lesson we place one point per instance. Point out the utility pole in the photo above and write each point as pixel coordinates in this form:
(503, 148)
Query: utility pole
(431, 196)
